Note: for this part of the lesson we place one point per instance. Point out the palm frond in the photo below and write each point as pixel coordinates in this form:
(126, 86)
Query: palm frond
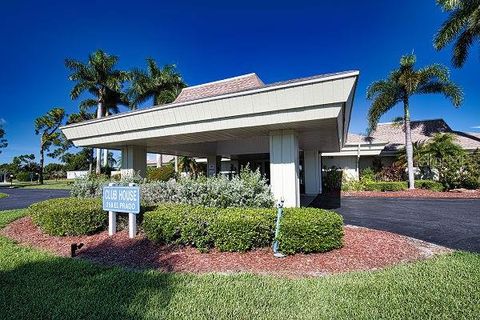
(448, 89)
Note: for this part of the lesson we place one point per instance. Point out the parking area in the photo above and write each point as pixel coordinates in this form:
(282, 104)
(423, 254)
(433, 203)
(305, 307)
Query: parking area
(22, 198)
(454, 223)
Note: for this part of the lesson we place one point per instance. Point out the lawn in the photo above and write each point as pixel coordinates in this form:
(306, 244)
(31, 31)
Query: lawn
(3, 195)
(48, 184)
(35, 284)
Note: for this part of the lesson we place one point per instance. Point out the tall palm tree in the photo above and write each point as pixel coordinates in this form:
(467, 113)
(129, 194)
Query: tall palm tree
(100, 78)
(163, 85)
(399, 86)
(461, 27)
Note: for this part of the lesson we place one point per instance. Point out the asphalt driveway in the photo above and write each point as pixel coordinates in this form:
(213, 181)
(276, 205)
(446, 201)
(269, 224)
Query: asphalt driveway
(22, 198)
(454, 223)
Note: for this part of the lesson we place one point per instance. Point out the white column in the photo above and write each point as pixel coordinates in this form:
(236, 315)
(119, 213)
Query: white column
(284, 167)
(134, 159)
(213, 165)
(313, 172)
(112, 223)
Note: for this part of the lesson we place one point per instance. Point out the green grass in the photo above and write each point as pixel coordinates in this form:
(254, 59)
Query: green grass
(3, 195)
(35, 284)
(48, 184)
(8, 216)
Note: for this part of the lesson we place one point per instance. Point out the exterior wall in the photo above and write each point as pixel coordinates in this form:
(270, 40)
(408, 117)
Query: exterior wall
(348, 164)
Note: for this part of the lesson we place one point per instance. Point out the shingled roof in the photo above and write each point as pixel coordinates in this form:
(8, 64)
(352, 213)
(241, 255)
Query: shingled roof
(221, 87)
(238, 84)
(422, 130)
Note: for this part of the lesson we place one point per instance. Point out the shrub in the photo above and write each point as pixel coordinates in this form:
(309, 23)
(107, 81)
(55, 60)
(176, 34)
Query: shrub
(69, 216)
(236, 229)
(393, 172)
(310, 230)
(163, 173)
(332, 179)
(24, 176)
(163, 225)
(386, 186)
(429, 185)
(367, 175)
(247, 189)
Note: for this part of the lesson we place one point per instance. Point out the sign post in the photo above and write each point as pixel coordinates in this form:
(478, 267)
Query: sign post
(121, 199)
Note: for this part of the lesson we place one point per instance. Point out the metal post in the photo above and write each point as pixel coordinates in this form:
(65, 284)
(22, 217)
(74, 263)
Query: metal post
(132, 220)
(276, 253)
(112, 219)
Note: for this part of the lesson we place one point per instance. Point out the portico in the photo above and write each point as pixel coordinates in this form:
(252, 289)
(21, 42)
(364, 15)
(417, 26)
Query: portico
(238, 118)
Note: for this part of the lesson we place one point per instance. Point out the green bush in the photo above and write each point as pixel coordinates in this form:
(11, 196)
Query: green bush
(310, 230)
(69, 216)
(386, 186)
(24, 176)
(237, 229)
(429, 185)
(163, 173)
(163, 225)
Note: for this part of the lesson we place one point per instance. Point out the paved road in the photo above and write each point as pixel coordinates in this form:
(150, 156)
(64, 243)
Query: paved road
(22, 198)
(454, 223)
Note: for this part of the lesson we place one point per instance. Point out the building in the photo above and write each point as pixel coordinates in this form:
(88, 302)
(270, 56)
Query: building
(386, 141)
(280, 128)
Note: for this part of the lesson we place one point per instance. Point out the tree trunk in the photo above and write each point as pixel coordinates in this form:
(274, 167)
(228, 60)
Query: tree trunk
(98, 151)
(42, 160)
(408, 145)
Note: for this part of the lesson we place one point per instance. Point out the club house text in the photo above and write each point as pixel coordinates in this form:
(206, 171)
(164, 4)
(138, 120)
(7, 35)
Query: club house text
(121, 199)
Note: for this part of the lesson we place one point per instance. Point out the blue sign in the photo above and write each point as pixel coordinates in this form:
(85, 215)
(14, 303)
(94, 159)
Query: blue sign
(121, 199)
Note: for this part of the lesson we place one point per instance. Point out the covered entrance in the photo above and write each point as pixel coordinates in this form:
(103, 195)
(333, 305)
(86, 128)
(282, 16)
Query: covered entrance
(280, 128)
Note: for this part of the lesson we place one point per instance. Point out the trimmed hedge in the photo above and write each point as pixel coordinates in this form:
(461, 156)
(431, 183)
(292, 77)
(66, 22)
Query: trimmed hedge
(386, 186)
(310, 230)
(429, 185)
(69, 216)
(238, 229)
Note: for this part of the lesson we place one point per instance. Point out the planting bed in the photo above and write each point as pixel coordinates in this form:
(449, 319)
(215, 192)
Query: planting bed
(364, 249)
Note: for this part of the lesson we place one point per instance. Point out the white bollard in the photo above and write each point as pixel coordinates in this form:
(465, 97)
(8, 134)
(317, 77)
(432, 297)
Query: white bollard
(112, 223)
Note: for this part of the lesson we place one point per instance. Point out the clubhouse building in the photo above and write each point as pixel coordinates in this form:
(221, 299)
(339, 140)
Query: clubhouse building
(281, 128)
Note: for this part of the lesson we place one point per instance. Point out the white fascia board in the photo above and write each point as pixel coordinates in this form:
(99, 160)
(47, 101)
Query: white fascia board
(202, 115)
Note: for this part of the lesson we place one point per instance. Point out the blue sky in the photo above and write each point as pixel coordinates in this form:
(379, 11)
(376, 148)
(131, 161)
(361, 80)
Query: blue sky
(211, 40)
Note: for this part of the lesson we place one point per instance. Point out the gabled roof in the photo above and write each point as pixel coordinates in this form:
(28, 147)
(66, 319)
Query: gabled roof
(423, 130)
(216, 88)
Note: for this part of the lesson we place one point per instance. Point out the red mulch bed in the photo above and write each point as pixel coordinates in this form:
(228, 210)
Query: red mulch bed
(417, 193)
(364, 249)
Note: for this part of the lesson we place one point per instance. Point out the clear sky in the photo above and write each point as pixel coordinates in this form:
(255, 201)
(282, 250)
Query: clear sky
(211, 40)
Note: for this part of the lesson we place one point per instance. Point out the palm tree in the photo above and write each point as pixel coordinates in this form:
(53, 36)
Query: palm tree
(163, 85)
(3, 141)
(47, 125)
(100, 78)
(399, 86)
(187, 164)
(462, 27)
